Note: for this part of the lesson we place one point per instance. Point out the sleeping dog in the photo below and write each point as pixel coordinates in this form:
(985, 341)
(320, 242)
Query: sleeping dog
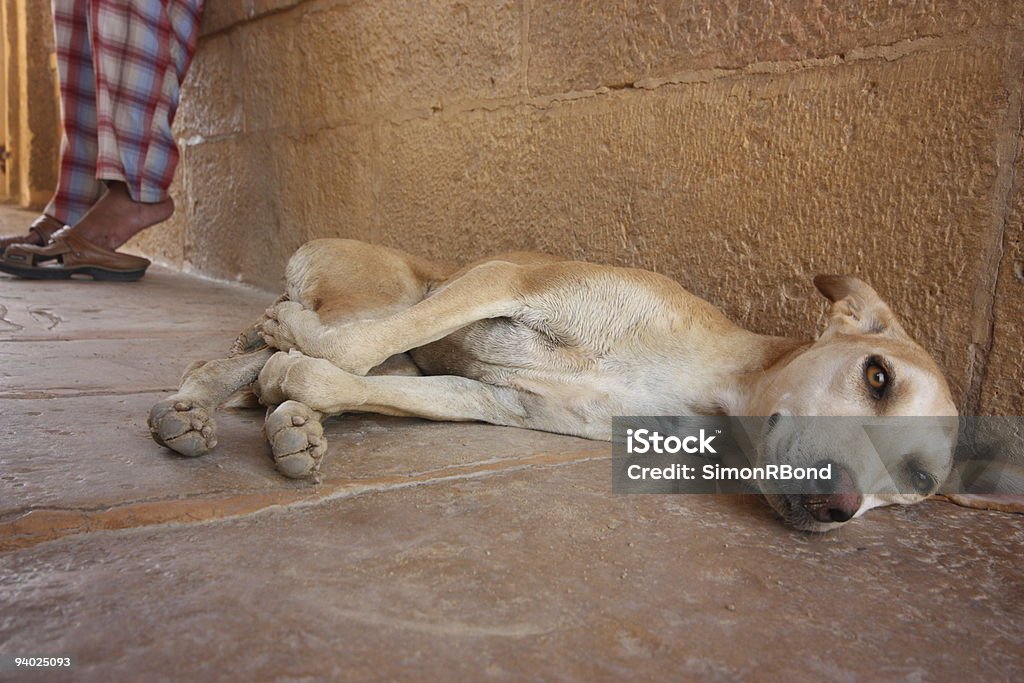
(534, 341)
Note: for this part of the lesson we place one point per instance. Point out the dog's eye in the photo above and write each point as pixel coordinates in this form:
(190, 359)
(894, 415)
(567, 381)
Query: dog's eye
(876, 376)
(922, 481)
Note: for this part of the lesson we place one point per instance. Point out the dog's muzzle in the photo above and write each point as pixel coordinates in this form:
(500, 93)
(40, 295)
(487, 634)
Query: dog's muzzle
(838, 502)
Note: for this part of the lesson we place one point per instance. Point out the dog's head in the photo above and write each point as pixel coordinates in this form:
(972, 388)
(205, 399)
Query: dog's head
(863, 365)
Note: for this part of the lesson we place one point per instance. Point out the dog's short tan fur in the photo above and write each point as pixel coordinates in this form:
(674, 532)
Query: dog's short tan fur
(534, 341)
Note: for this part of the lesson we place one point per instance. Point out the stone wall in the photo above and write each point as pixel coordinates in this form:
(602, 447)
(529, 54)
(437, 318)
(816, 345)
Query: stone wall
(739, 147)
(29, 105)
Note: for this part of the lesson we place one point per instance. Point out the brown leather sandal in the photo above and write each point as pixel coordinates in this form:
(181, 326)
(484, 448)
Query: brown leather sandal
(68, 255)
(40, 232)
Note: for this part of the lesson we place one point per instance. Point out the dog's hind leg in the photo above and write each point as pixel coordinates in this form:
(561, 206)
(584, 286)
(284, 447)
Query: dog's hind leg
(485, 291)
(184, 421)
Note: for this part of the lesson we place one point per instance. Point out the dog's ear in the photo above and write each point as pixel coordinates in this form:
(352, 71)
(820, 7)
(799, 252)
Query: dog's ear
(856, 308)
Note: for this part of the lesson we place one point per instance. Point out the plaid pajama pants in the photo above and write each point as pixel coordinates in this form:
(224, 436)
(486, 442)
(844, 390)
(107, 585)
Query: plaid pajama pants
(121, 64)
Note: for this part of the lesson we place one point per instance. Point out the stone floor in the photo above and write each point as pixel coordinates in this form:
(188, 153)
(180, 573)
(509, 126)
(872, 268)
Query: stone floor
(429, 551)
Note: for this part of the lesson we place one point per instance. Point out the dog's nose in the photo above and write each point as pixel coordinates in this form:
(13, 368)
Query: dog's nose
(840, 499)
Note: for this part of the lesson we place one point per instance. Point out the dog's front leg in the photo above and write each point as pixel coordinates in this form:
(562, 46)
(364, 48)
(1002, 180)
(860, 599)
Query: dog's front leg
(296, 436)
(184, 421)
(486, 291)
(308, 389)
(327, 389)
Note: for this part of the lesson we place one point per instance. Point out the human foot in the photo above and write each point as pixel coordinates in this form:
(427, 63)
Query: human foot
(68, 255)
(38, 233)
(116, 218)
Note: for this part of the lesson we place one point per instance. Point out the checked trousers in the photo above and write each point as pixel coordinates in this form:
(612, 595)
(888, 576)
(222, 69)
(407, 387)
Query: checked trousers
(121, 64)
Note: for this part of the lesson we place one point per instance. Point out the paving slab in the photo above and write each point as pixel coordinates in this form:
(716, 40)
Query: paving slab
(74, 367)
(163, 304)
(73, 465)
(539, 574)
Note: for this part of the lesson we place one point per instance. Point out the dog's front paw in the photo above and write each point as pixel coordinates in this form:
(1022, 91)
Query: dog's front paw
(290, 326)
(183, 426)
(296, 439)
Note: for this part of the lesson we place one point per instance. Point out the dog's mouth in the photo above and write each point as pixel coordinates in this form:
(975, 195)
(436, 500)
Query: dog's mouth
(803, 512)
(813, 505)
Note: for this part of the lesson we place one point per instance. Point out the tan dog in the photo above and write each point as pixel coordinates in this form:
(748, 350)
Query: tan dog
(533, 341)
